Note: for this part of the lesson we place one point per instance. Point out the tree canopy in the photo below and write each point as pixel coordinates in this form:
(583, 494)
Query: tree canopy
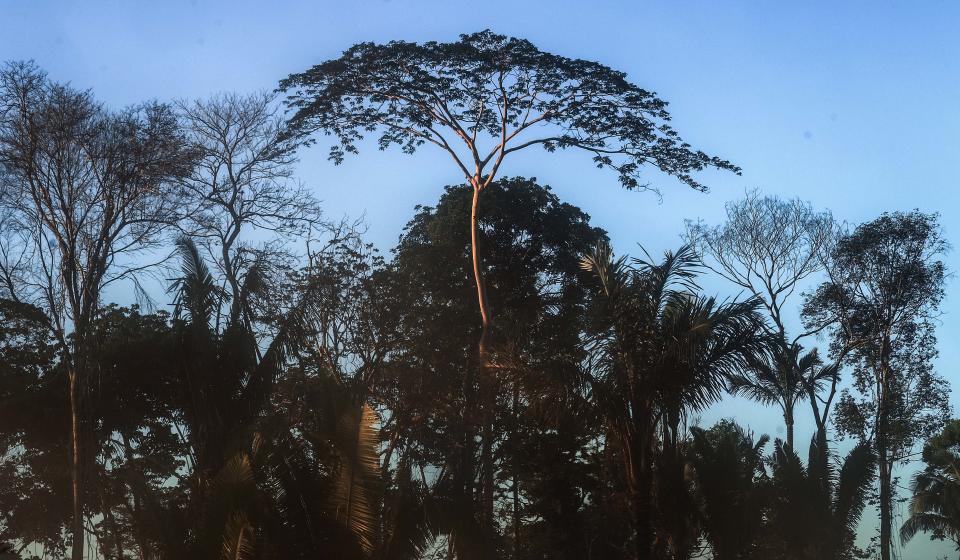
(484, 97)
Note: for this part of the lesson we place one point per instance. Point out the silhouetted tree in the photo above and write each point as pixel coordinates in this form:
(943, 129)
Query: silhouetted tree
(533, 241)
(731, 483)
(814, 509)
(34, 498)
(781, 376)
(935, 505)
(83, 188)
(481, 99)
(243, 202)
(885, 285)
(769, 246)
(660, 351)
(284, 445)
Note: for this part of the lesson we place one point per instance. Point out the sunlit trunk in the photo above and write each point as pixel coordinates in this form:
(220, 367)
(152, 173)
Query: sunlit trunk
(487, 388)
(485, 319)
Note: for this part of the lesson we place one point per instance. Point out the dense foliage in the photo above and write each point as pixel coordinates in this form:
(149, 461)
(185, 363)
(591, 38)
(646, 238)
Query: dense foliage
(294, 393)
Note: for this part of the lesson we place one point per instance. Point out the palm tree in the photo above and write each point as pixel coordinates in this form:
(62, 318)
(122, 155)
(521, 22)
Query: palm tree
(935, 506)
(286, 450)
(814, 510)
(780, 377)
(658, 352)
(731, 487)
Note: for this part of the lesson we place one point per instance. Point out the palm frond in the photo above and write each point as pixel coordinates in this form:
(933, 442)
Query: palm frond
(413, 520)
(743, 384)
(924, 522)
(355, 497)
(237, 538)
(296, 331)
(673, 278)
(611, 273)
(853, 485)
(196, 294)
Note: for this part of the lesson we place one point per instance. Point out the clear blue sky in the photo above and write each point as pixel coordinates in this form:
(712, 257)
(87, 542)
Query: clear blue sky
(850, 105)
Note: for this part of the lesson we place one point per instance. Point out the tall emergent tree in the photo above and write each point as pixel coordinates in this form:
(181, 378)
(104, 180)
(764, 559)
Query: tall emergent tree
(767, 246)
(481, 99)
(884, 287)
(81, 189)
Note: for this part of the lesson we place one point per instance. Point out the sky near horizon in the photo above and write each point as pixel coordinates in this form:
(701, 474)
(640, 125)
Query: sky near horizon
(849, 105)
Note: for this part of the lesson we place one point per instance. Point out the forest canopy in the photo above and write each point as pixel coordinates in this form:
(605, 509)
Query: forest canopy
(498, 384)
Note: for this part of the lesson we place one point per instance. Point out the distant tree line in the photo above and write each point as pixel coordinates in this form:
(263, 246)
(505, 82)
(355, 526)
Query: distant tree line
(502, 386)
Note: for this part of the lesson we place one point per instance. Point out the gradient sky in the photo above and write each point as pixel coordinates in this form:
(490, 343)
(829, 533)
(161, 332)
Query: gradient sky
(851, 106)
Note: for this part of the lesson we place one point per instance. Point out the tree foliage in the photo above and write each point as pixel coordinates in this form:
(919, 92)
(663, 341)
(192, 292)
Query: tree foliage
(934, 505)
(484, 97)
(884, 289)
(306, 397)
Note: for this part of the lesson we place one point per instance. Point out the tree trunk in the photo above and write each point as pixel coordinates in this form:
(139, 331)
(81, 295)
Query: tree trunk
(516, 481)
(75, 465)
(886, 497)
(487, 467)
(788, 420)
(641, 486)
(642, 513)
(487, 388)
(886, 494)
(485, 318)
(464, 473)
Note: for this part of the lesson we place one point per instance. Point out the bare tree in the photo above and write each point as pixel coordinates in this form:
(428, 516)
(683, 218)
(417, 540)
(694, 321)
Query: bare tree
(767, 246)
(244, 201)
(84, 191)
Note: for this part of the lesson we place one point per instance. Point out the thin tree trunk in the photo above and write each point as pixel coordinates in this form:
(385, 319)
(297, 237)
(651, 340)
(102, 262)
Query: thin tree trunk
(487, 389)
(642, 512)
(885, 511)
(641, 486)
(516, 482)
(486, 460)
(76, 466)
(788, 420)
(464, 473)
(886, 495)
(485, 314)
